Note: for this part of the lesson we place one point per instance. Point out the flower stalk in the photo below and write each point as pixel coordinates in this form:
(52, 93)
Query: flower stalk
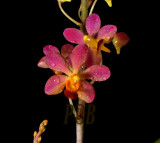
(81, 104)
(92, 8)
(80, 121)
(70, 18)
(72, 106)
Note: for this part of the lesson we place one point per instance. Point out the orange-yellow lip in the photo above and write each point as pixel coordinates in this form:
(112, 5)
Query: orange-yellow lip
(95, 44)
(73, 83)
(90, 41)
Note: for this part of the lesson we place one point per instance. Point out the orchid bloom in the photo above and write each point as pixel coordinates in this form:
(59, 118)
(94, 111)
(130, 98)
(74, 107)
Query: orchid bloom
(73, 78)
(95, 38)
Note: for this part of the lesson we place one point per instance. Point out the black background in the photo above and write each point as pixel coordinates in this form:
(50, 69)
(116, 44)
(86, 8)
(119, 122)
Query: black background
(127, 104)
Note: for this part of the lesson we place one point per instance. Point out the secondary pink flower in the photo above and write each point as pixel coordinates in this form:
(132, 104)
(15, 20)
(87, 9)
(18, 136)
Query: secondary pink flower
(96, 37)
(73, 78)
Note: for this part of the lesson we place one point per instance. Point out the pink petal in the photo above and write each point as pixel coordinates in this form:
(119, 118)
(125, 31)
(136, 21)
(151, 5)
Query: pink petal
(86, 92)
(78, 57)
(55, 84)
(93, 24)
(57, 63)
(42, 63)
(73, 35)
(107, 33)
(96, 73)
(66, 50)
(94, 58)
(50, 49)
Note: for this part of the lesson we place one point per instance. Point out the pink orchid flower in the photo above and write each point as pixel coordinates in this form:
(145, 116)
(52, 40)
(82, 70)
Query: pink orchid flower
(95, 38)
(73, 78)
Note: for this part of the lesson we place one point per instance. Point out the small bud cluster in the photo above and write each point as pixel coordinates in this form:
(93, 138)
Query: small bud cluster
(37, 135)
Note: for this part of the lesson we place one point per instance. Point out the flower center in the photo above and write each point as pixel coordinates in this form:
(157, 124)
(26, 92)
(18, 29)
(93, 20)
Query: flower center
(73, 83)
(95, 44)
(90, 41)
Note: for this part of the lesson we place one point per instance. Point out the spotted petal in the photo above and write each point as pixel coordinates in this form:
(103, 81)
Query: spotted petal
(78, 57)
(55, 84)
(86, 92)
(57, 63)
(73, 35)
(66, 50)
(42, 63)
(96, 73)
(93, 23)
(107, 33)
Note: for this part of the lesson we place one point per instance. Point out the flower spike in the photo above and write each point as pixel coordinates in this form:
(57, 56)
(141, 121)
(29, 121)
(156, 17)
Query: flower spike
(76, 68)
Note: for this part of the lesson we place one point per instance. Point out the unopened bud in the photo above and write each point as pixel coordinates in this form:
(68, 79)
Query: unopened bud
(42, 125)
(109, 2)
(39, 139)
(35, 134)
(45, 122)
(120, 40)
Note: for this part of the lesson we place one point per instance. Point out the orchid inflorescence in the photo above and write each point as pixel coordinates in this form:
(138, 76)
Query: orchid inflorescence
(75, 64)
(77, 67)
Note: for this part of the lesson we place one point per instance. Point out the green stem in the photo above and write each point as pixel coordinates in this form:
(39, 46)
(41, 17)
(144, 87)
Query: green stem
(70, 18)
(84, 14)
(93, 5)
(84, 10)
